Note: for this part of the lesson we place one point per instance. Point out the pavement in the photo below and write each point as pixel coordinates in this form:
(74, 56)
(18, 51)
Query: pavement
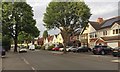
(13, 61)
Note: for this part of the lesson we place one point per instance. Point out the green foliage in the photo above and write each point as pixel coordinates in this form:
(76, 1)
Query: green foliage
(50, 47)
(45, 34)
(6, 43)
(16, 18)
(0, 36)
(71, 16)
(43, 47)
(37, 47)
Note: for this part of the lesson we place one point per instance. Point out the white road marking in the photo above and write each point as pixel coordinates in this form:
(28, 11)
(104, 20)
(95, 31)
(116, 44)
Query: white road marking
(25, 61)
(33, 68)
(28, 63)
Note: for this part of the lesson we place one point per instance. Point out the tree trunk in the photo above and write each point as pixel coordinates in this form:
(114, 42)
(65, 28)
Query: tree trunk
(16, 37)
(27, 44)
(65, 39)
(15, 42)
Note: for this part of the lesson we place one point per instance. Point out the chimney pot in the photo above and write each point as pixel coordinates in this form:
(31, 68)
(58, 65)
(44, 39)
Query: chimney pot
(100, 20)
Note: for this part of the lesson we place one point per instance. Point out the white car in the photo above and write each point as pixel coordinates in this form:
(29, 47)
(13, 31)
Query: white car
(70, 48)
(61, 49)
(32, 47)
(22, 50)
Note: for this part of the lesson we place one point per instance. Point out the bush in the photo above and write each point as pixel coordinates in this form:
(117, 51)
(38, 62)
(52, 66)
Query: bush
(37, 47)
(43, 47)
(50, 47)
(6, 43)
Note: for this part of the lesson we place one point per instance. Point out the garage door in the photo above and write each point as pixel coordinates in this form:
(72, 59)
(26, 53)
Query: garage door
(113, 44)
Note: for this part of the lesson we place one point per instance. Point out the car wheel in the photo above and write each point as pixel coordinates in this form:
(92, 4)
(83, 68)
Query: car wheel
(94, 53)
(103, 52)
(115, 55)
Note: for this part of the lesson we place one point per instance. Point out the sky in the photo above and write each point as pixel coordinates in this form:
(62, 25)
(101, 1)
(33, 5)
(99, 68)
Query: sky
(99, 8)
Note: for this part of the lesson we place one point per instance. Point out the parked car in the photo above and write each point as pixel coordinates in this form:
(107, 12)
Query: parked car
(55, 49)
(102, 50)
(22, 49)
(116, 52)
(61, 49)
(3, 52)
(73, 48)
(32, 47)
(83, 49)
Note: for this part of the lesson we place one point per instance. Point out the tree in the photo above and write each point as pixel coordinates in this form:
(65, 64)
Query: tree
(45, 34)
(18, 17)
(69, 17)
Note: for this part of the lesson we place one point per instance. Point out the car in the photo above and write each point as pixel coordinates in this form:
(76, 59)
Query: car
(61, 49)
(68, 49)
(101, 49)
(83, 49)
(3, 53)
(116, 52)
(32, 47)
(72, 48)
(55, 49)
(22, 49)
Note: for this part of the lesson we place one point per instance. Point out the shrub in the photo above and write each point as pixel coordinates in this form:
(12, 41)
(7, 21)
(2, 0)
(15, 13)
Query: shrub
(37, 47)
(6, 43)
(43, 47)
(50, 47)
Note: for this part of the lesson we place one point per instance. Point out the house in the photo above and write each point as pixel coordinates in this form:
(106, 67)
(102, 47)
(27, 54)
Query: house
(40, 41)
(54, 41)
(50, 38)
(59, 38)
(105, 32)
(45, 41)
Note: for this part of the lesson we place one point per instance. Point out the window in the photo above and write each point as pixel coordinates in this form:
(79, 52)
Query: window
(119, 31)
(95, 35)
(104, 32)
(113, 31)
(116, 31)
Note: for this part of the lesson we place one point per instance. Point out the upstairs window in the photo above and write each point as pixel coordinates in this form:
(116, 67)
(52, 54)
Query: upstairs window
(104, 32)
(119, 31)
(113, 31)
(116, 31)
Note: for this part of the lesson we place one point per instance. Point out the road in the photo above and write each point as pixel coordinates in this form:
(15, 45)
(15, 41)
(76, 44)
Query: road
(49, 60)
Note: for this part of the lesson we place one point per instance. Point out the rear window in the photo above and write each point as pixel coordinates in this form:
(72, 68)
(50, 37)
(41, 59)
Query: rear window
(104, 46)
(97, 46)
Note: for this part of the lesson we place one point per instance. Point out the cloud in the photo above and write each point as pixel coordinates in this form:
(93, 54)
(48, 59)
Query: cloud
(103, 9)
(99, 8)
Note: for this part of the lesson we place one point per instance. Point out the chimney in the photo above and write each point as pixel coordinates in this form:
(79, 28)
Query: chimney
(100, 20)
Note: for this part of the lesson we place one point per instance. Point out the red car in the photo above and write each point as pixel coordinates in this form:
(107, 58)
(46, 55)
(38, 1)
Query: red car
(55, 49)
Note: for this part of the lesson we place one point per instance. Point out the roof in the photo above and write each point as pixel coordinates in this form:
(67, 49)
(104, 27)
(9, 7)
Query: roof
(50, 38)
(95, 25)
(110, 22)
(106, 23)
